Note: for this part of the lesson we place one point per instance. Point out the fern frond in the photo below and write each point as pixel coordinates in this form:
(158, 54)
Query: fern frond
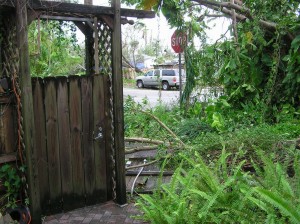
(279, 202)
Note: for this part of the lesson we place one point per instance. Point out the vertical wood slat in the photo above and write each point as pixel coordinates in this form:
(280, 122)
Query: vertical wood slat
(107, 135)
(118, 105)
(41, 149)
(7, 129)
(64, 143)
(76, 143)
(87, 139)
(53, 146)
(27, 109)
(99, 142)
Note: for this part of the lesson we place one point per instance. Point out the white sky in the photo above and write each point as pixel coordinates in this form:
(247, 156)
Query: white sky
(159, 26)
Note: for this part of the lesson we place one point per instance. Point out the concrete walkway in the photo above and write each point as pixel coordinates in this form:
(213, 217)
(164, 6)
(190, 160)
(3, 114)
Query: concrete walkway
(108, 212)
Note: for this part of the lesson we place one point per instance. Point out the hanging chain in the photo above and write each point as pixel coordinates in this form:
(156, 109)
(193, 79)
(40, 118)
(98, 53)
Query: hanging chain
(112, 138)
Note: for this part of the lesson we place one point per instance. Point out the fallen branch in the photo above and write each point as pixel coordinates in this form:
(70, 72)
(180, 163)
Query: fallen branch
(164, 126)
(142, 165)
(139, 149)
(144, 140)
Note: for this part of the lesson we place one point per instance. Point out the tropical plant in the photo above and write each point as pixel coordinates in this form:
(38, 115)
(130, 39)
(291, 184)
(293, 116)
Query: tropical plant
(222, 192)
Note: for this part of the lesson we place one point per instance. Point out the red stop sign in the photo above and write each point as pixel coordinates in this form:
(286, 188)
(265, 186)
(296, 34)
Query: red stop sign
(178, 41)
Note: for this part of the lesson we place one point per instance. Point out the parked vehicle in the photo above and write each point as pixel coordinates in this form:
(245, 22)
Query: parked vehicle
(164, 78)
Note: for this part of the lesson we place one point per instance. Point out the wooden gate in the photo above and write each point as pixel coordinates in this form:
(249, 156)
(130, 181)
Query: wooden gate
(72, 123)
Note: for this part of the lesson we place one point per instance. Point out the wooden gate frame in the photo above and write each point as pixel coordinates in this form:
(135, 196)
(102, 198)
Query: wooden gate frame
(28, 10)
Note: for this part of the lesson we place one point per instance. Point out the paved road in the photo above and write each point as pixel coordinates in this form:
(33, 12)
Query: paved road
(167, 97)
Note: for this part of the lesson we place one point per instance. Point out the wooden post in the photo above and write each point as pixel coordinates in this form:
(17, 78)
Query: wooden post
(117, 82)
(27, 111)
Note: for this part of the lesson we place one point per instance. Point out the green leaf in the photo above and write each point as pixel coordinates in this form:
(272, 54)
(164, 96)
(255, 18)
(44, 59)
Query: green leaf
(296, 43)
(279, 202)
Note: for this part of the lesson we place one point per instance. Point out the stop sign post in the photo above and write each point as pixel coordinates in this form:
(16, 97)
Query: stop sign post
(178, 43)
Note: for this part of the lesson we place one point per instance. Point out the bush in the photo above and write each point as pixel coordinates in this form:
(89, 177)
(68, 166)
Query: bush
(222, 192)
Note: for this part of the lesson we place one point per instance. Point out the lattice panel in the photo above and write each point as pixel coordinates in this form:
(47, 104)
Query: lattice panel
(105, 48)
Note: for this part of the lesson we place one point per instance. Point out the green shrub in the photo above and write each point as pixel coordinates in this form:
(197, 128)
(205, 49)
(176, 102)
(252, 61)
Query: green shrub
(221, 192)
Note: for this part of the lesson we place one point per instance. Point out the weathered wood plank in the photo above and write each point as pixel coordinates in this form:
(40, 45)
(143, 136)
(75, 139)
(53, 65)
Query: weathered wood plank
(118, 105)
(7, 159)
(87, 139)
(60, 8)
(27, 110)
(41, 147)
(99, 137)
(53, 146)
(76, 143)
(65, 143)
(7, 130)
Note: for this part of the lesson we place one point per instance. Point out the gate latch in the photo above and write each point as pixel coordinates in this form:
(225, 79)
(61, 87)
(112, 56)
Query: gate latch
(100, 134)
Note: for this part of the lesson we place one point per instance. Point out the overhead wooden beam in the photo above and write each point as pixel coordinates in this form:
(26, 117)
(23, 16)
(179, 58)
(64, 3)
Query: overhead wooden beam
(118, 105)
(107, 19)
(60, 8)
(64, 18)
(27, 111)
(79, 10)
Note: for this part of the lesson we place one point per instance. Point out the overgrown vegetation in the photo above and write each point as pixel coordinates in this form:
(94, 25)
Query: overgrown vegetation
(54, 50)
(222, 192)
(236, 168)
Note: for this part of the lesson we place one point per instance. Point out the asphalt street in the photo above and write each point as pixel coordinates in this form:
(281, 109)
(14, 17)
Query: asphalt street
(169, 97)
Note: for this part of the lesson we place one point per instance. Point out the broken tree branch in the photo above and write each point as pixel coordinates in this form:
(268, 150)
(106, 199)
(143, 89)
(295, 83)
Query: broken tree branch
(139, 149)
(144, 140)
(164, 126)
(234, 26)
(142, 165)
(243, 12)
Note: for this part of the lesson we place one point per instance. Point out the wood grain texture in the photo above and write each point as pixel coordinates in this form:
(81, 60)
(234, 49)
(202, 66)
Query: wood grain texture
(64, 143)
(8, 135)
(41, 147)
(118, 105)
(87, 139)
(53, 146)
(76, 143)
(27, 109)
(99, 137)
